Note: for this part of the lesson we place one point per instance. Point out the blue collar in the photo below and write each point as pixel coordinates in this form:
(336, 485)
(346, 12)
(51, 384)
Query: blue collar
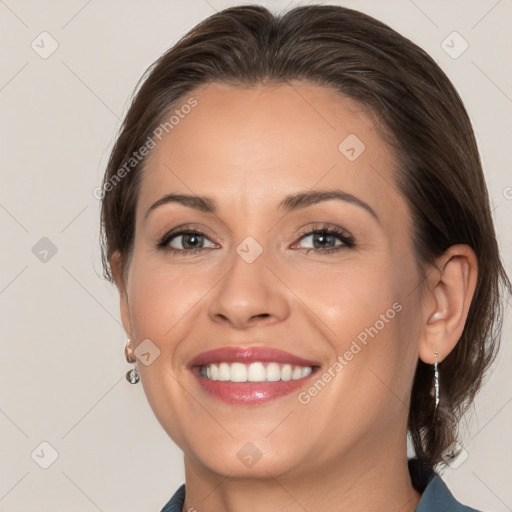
(435, 496)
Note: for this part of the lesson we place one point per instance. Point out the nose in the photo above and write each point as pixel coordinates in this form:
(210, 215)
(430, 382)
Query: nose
(249, 294)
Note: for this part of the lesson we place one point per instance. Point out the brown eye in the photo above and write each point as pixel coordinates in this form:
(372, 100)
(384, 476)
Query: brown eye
(321, 240)
(184, 241)
(188, 241)
(326, 239)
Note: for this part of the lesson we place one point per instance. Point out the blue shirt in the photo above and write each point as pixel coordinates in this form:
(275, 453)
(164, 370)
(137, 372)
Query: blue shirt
(436, 497)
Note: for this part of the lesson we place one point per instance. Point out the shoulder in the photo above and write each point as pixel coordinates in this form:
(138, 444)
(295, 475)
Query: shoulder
(175, 504)
(437, 497)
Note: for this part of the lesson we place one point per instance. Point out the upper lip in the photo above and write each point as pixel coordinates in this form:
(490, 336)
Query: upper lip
(249, 355)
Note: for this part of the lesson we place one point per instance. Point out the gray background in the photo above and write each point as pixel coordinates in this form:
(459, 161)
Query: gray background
(62, 379)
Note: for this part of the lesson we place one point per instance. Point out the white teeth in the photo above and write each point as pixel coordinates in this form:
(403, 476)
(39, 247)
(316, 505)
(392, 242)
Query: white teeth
(273, 372)
(306, 370)
(238, 372)
(224, 371)
(297, 373)
(286, 372)
(254, 372)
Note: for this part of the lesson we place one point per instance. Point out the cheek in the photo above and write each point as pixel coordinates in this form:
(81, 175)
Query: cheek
(385, 338)
(370, 319)
(162, 306)
(162, 297)
(347, 297)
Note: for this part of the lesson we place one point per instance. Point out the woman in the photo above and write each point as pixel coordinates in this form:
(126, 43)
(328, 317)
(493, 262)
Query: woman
(297, 221)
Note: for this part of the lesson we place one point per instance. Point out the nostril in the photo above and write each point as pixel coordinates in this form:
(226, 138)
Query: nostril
(261, 315)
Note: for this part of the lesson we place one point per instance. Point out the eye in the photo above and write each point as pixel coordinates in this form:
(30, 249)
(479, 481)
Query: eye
(326, 239)
(185, 240)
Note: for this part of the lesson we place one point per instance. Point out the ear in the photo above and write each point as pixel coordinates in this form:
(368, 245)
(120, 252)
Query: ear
(450, 291)
(119, 279)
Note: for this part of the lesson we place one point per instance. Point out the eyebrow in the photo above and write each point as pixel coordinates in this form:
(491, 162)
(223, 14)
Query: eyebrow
(292, 202)
(305, 199)
(204, 204)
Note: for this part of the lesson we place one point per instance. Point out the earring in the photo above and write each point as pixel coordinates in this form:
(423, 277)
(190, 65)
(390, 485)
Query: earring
(132, 376)
(436, 384)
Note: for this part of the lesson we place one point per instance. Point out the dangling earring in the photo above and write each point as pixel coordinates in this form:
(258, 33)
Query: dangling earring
(132, 376)
(436, 384)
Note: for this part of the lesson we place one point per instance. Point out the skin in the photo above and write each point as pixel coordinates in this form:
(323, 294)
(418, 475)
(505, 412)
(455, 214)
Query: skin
(248, 148)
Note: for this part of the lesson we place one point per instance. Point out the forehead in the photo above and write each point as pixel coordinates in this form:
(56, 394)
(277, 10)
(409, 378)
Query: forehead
(253, 145)
(240, 126)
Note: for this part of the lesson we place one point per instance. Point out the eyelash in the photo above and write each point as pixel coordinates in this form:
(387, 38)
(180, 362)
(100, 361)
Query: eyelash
(346, 239)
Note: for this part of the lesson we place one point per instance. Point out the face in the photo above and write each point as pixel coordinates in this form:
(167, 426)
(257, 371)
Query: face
(281, 277)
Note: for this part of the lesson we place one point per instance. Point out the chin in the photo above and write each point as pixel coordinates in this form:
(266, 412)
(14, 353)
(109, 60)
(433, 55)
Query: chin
(243, 458)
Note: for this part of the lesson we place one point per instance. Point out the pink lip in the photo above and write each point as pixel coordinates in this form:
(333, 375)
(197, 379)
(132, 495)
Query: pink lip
(249, 355)
(249, 393)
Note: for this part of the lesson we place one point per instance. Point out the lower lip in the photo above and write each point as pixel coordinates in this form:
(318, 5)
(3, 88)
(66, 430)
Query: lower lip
(249, 393)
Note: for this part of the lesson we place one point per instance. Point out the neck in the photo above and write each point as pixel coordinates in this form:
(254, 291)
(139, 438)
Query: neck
(376, 484)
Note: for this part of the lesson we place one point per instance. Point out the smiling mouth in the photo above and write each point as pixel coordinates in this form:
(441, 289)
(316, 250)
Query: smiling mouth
(254, 372)
(251, 375)
(254, 383)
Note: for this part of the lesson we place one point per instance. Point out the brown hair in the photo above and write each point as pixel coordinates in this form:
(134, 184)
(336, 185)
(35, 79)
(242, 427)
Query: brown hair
(439, 173)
